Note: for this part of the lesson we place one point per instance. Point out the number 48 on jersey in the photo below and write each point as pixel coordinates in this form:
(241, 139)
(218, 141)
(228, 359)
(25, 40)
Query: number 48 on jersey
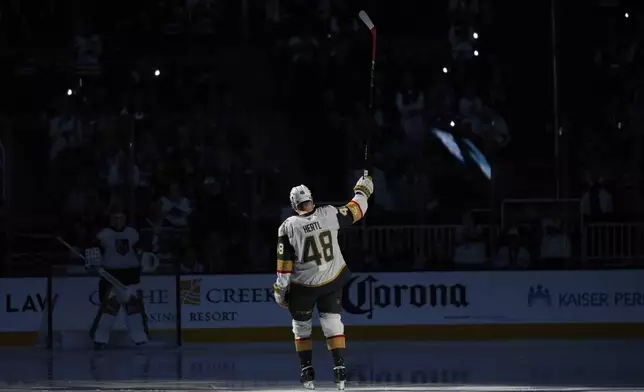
(318, 248)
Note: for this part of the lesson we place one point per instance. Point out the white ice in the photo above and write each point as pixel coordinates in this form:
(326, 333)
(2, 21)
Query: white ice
(372, 366)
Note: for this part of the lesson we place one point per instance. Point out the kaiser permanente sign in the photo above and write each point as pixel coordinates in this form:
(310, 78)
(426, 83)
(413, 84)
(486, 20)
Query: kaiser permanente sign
(422, 301)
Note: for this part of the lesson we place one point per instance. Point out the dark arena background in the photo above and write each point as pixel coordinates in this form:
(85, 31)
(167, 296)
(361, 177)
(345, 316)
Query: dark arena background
(195, 118)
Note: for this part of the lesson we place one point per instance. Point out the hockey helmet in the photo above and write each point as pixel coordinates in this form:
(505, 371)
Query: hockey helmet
(300, 194)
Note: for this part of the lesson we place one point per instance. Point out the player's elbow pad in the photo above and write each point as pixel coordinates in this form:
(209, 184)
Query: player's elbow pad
(362, 202)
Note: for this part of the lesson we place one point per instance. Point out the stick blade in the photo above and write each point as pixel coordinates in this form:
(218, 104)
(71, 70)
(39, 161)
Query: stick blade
(366, 19)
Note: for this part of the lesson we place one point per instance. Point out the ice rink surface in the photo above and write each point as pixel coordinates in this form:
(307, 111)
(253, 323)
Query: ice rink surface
(373, 366)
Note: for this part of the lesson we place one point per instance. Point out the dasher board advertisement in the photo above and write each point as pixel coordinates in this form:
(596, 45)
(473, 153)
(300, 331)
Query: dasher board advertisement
(418, 298)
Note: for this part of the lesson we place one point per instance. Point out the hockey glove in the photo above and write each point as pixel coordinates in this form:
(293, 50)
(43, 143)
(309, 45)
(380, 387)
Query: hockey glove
(132, 292)
(280, 296)
(364, 186)
(92, 258)
(126, 295)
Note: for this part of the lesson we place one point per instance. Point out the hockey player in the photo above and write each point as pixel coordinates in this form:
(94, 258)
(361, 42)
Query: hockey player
(312, 272)
(117, 253)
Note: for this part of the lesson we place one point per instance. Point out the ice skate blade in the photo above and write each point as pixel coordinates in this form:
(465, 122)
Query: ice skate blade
(309, 384)
(340, 385)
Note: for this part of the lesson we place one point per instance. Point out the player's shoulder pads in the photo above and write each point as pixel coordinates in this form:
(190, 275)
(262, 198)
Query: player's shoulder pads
(326, 210)
(285, 228)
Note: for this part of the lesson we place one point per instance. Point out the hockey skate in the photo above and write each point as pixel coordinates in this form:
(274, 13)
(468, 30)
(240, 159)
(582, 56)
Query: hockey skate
(307, 376)
(339, 374)
(100, 346)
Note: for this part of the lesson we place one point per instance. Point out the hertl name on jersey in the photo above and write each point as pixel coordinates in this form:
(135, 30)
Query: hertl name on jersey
(311, 227)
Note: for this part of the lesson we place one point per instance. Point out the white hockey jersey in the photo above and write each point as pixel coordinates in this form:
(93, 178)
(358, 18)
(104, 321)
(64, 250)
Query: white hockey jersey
(118, 248)
(308, 252)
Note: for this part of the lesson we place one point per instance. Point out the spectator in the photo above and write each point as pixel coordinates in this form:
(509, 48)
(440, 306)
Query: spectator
(512, 255)
(463, 7)
(461, 38)
(189, 259)
(398, 256)
(303, 47)
(555, 244)
(470, 250)
(493, 129)
(88, 48)
(64, 131)
(596, 202)
(183, 155)
(410, 101)
(79, 198)
(175, 207)
(498, 97)
(442, 97)
(148, 159)
(414, 194)
(214, 254)
(469, 107)
(117, 174)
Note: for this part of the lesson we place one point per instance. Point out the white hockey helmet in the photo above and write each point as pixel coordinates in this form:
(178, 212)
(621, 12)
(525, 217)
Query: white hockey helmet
(300, 194)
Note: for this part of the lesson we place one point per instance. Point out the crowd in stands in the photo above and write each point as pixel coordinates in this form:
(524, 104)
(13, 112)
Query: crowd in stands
(423, 81)
(149, 105)
(142, 119)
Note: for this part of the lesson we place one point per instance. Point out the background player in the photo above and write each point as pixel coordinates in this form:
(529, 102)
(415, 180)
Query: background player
(118, 246)
(312, 272)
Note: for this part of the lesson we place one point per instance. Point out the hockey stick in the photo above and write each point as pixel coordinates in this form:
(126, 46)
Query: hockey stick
(101, 271)
(372, 83)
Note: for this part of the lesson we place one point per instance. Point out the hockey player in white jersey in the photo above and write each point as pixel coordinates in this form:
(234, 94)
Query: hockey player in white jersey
(116, 251)
(312, 272)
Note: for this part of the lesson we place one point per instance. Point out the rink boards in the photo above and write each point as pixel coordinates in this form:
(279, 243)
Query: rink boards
(418, 305)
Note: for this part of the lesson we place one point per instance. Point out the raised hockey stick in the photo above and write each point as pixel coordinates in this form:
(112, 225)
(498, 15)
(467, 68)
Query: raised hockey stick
(372, 83)
(101, 271)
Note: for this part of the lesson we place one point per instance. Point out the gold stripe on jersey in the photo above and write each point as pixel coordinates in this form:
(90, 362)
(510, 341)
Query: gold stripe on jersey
(355, 209)
(325, 282)
(303, 344)
(284, 266)
(335, 342)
